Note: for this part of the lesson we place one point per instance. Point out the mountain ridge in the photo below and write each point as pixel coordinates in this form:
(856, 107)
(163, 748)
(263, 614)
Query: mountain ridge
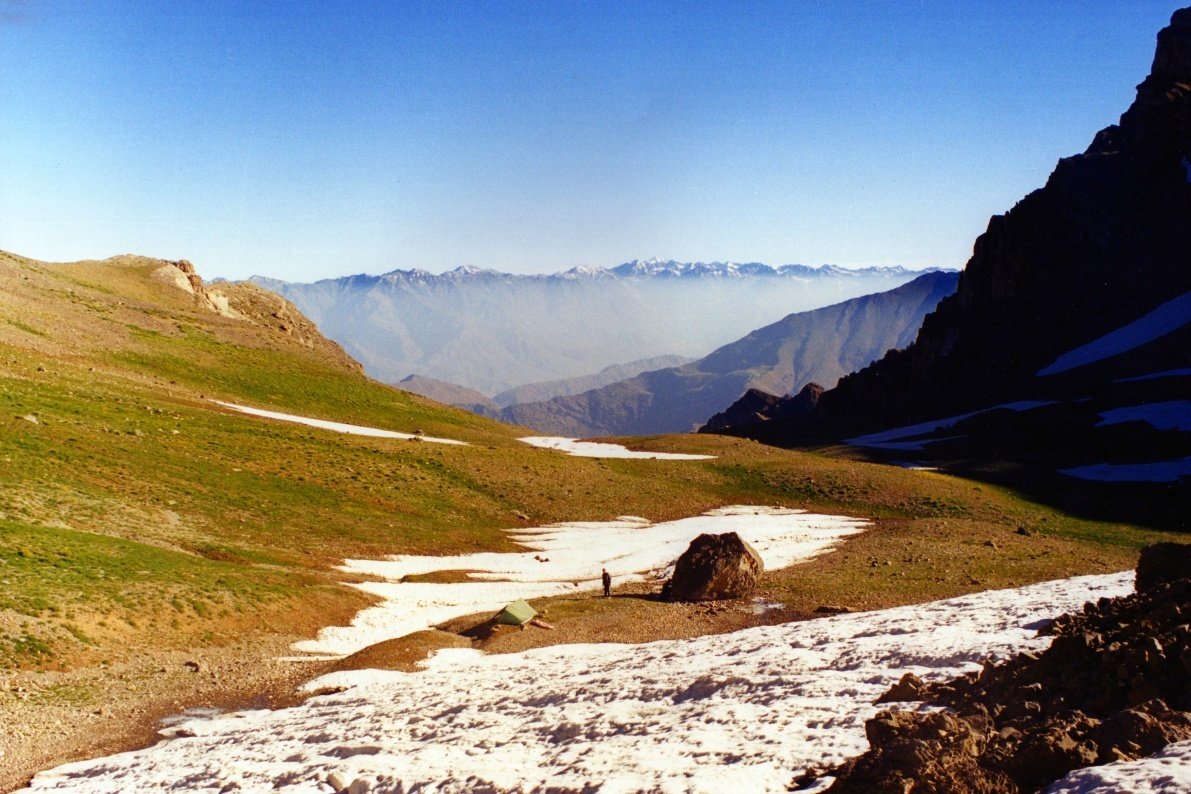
(493, 332)
(820, 345)
(635, 268)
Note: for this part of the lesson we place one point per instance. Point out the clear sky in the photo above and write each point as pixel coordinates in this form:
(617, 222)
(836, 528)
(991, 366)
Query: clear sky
(305, 140)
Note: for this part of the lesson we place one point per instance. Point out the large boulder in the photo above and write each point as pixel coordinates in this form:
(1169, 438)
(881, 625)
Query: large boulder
(715, 567)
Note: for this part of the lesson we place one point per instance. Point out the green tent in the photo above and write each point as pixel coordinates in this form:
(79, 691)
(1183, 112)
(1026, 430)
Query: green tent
(517, 613)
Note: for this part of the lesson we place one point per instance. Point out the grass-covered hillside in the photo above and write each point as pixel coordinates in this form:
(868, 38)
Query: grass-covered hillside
(135, 513)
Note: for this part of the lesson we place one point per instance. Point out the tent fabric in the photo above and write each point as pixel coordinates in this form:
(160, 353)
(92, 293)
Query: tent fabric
(517, 613)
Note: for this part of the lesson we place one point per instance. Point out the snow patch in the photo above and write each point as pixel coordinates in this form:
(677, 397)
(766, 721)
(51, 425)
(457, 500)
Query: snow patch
(895, 439)
(732, 712)
(1170, 415)
(1168, 317)
(1157, 471)
(1170, 373)
(338, 427)
(1168, 772)
(563, 559)
(594, 449)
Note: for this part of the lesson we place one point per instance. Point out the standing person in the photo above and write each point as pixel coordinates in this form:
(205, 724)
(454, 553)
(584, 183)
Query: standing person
(607, 577)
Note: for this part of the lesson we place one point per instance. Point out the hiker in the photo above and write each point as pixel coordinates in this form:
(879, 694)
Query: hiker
(607, 577)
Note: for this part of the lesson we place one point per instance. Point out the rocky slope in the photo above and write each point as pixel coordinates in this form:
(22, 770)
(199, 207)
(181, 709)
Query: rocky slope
(820, 345)
(493, 331)
(1077, 300)
(1111, 687)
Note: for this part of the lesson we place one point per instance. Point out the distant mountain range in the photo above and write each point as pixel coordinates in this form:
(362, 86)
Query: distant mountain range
(1064, 354)
(492, 332)
(454, 394)
(821, 345)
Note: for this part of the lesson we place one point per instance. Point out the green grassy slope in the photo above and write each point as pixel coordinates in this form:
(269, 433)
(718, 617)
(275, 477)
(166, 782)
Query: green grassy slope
(135, 512)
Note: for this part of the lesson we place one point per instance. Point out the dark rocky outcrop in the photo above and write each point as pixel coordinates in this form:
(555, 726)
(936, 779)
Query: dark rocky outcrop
(1163, 563)
(757, 406)
(713, 568)
(1102, 244)
(1112, 686)
(1101, 247)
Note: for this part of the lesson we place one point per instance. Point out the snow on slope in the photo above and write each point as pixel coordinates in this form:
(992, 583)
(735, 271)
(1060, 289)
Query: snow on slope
(593, 449)
(338, 427)
(735, 712)
(896, 437)
(1168, 317)
(1168, 415)
(1167, 772)
(1156, 471)
(564, 559)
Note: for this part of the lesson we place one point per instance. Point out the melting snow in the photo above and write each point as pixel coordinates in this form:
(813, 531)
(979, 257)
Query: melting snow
(735, 712)
(338, 427)
(896, 438)
(562, 559)
(1168, 317)
(1169, 373)
(1170, 415)
(1157, 471)
(593, 449)
(1168, 772)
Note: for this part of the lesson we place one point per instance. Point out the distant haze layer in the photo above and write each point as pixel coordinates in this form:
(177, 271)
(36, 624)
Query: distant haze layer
(494, 331)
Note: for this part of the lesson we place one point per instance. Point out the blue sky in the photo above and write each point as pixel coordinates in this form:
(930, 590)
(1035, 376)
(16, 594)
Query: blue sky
(306, 140)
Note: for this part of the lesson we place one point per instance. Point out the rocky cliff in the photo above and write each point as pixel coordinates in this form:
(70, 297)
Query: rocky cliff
(1074, 308)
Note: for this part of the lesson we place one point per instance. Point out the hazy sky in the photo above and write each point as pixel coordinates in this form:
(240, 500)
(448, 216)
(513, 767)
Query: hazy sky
(304, 140)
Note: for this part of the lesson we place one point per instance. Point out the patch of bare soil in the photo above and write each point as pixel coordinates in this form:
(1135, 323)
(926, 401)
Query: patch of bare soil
(52, 718)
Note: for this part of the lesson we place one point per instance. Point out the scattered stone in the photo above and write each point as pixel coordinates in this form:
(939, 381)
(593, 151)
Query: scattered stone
(908, 688)
(832, 610)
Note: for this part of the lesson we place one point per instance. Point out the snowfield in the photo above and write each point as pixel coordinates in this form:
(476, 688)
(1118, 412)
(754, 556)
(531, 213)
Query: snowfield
(899, 438)
(1167, 772)
(594, 449)
(1166, 318)
(736, 712)
(1156, 471)
(338, 427)
(564, 559)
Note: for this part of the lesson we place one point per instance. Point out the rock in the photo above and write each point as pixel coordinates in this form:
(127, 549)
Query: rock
(1139, 732)
(31, 419)
(1163, 563)
(1112, 686)
(192, 665)
(715, 567)
(756, 406)
(908, 688)
(337, 781)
